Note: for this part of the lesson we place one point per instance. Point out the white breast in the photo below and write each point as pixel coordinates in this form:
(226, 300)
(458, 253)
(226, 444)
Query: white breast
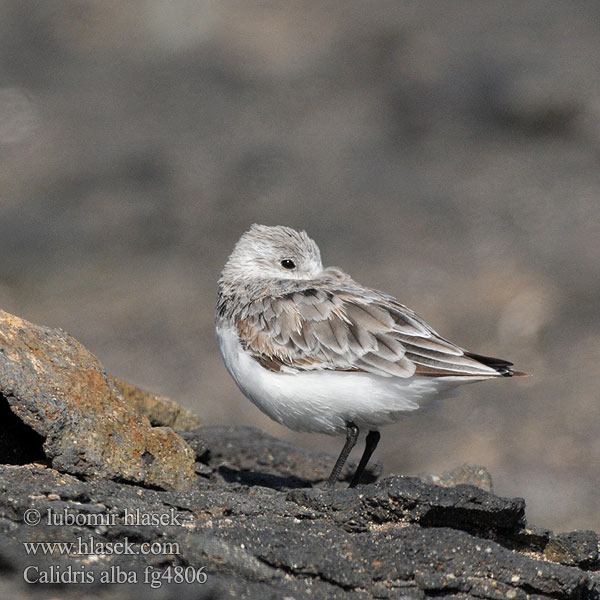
(324, 401)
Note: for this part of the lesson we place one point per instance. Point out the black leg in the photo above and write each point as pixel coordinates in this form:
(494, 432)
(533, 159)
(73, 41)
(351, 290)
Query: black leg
(351, 437)
(371, 442)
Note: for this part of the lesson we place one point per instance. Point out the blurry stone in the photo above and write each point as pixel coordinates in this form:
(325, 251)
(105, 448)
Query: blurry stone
(465, 474)
(162, 411)
(578, 548)
(59, 389)
(18, 116)
(528, 313)
(534, 100)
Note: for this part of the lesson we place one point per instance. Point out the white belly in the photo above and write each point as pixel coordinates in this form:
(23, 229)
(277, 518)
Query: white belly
(324, 401)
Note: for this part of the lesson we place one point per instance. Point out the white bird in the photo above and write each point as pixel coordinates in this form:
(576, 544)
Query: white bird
(318, 352)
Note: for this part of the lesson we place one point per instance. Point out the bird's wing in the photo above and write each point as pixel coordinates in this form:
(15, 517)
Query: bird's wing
(350, 329)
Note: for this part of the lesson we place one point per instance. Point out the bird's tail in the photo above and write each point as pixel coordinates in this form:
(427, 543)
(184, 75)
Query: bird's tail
(504, 367)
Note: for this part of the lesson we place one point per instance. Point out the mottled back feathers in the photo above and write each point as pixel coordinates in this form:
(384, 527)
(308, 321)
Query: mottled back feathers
(339, 330)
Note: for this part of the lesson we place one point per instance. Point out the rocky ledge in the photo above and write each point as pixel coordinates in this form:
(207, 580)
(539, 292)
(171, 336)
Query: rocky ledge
(223, 512)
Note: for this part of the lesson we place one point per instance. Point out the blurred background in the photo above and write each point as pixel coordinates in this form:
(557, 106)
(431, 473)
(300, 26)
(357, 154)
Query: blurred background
(447, 153)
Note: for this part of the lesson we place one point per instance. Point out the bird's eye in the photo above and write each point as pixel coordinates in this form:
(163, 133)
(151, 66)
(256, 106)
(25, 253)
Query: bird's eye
(288, 263)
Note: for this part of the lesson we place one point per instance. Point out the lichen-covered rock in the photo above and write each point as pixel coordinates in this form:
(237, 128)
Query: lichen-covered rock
(60, 390)
(161, 411)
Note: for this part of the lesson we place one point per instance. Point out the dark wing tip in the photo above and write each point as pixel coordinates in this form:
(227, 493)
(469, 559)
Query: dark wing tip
(504, 367)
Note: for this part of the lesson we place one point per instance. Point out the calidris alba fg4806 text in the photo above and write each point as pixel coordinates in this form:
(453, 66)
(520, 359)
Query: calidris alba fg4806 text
(318, 352)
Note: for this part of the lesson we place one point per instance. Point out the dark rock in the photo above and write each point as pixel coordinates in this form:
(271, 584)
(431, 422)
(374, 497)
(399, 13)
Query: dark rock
(397, 538)
(409, 500)
(575, 548)
(532, 537)
(248, 455)
(58, 389)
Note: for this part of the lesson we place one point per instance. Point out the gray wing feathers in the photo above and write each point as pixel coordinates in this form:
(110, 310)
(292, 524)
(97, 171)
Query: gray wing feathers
(371, 318)
(314, 328)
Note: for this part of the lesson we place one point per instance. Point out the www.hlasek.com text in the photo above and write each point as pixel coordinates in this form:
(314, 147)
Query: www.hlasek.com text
(91, 546)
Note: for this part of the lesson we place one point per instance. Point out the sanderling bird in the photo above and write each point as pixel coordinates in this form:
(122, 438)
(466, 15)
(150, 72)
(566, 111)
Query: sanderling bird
(316, 351)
